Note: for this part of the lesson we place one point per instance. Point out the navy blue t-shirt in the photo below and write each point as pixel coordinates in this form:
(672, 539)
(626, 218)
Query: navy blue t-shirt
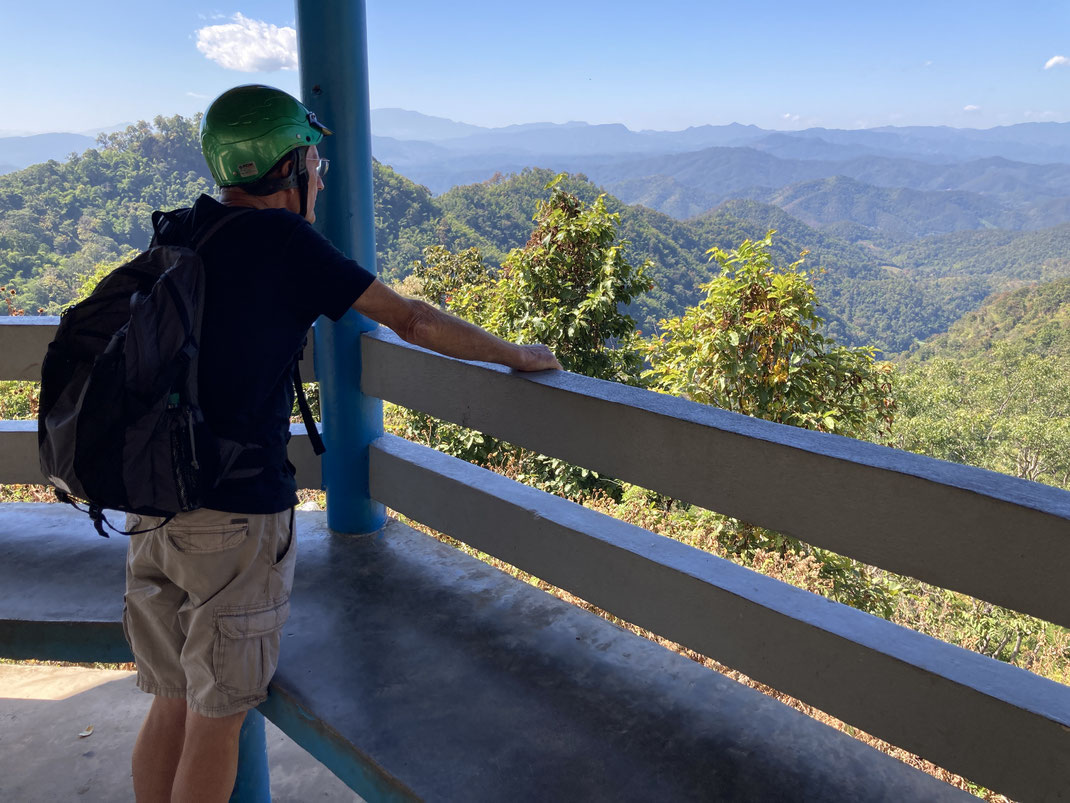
(269, 275)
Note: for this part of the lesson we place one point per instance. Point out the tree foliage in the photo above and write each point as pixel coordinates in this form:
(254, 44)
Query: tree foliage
(754, 345)
(405, 222)
(1034, 318)
(443, 273)
(994, 391)
(1010, 413)
(565, 288)
(58, 221)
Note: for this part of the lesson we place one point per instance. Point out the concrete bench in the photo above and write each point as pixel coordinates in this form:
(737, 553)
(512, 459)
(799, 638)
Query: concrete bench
(417, 672)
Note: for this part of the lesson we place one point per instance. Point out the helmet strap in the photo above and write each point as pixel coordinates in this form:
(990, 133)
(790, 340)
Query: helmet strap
(296, 178)
(300, 174)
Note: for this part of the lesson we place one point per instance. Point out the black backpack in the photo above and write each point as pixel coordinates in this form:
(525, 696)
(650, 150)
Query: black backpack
(119, 424)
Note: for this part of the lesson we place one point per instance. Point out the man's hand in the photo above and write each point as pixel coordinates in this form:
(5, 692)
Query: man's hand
(536, 357)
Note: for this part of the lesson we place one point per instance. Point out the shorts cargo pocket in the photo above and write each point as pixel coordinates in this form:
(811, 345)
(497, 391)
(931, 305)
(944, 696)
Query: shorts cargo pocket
(247, 647)
(208, 537)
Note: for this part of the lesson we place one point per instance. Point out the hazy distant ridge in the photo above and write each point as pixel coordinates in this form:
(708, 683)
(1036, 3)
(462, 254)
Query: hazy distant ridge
(19, 152)
(1027, 142)
(882, 185)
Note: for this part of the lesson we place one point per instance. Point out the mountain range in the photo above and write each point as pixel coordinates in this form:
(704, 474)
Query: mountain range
(902, 246)
(883, 185)
(1038, 143)
(886, 185)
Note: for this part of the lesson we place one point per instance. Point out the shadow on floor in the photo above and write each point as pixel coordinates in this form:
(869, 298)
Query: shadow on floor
(43, 709)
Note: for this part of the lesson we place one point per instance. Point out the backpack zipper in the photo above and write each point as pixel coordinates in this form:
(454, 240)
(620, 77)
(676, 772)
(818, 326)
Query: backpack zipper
(192, 443)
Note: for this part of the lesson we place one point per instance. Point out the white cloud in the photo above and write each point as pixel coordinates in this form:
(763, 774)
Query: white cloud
(197, 95)
(791, 118)
(928, 63)
(1056, 61)
(971, 108)
(248, 45)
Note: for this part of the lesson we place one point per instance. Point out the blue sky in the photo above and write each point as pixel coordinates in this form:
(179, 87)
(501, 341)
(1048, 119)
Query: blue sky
(72, 66)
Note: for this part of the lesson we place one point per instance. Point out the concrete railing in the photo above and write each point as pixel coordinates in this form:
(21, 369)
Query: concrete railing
(994, 537)
(23, 342)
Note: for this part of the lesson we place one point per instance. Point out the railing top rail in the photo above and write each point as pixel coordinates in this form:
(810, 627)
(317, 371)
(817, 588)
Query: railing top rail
(29, 320)
(1010, 489)
(24, 340)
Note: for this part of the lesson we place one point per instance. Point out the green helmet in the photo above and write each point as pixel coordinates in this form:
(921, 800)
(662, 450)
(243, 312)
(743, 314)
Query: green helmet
(246, 130)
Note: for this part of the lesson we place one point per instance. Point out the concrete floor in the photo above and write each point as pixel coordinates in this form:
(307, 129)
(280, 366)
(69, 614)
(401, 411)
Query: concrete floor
(43, 759)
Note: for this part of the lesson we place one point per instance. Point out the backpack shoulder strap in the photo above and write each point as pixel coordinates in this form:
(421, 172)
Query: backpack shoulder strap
(306, 411)
(157, 216)
(200, 236)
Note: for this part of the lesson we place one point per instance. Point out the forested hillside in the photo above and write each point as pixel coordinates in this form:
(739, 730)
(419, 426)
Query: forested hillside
(1034, 320)
(58, 220)
(994, 390)
(898, 212)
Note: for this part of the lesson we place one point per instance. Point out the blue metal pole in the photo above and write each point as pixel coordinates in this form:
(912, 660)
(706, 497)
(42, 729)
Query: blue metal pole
(332, 45)
(253, 784)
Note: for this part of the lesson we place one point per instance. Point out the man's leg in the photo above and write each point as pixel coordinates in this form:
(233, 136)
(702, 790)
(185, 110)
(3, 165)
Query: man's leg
(225, 567)
(209, 761)
(158, 749)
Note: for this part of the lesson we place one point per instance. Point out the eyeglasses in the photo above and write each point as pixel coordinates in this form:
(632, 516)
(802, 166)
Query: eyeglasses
(321, 166)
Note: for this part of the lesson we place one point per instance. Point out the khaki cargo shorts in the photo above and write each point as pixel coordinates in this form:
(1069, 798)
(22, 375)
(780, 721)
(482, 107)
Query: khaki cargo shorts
(206, 598)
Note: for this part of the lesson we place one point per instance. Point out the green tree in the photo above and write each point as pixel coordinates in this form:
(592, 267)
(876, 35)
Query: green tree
(442, 273)
(754, 345)
(566, 288)
(1007, 411)
(404, 222)
(173, 143)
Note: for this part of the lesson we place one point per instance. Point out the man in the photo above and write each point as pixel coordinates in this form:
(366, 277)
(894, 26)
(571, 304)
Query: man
(208, 593)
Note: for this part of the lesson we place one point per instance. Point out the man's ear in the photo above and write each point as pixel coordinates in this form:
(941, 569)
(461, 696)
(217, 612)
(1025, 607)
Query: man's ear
(284, 168)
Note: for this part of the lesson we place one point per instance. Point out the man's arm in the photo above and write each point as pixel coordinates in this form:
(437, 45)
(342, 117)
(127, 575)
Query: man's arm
(425, 325)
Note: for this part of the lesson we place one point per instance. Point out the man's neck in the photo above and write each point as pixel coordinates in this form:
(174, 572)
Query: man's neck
(235, 196)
